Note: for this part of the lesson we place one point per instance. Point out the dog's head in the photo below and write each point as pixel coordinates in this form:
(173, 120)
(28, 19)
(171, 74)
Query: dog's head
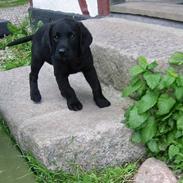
(67, 39)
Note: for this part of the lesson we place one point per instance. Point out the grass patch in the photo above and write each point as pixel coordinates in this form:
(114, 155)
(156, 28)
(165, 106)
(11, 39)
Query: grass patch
(121, 174)
(19, 55)
(16, 57)
(11, 3)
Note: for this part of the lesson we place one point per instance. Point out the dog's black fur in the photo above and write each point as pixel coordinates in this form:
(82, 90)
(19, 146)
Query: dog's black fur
(66, 45)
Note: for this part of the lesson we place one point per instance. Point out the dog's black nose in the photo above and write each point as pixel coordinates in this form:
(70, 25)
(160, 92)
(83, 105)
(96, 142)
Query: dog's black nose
(62, 51)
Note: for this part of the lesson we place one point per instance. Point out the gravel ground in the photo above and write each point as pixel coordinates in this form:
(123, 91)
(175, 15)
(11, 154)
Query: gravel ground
(5, 54)
(14, 14)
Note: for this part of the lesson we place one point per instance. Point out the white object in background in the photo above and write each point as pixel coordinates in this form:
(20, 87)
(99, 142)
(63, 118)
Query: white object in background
(67, 6)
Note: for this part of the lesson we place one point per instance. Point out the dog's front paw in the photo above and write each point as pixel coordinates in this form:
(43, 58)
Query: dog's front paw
(35, 96)
(74, 105)
(102, 102)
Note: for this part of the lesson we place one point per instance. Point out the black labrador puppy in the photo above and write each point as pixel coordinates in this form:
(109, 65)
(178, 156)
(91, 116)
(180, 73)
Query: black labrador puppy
(65, 44)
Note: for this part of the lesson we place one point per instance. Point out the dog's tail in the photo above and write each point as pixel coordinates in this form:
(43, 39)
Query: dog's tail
(21, 40)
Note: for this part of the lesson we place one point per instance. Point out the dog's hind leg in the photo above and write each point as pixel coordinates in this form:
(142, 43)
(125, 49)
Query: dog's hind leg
(33, 77)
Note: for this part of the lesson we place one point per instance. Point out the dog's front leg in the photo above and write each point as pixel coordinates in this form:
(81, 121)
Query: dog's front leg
(67, 92)
(33, 77)
(91, 76)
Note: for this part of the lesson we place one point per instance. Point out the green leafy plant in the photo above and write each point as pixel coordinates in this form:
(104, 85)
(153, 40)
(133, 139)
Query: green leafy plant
(156, 117)
(176, 58)
(19, 55)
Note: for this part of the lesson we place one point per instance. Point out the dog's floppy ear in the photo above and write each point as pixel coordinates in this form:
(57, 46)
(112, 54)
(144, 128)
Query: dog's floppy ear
(85, 38)
(47, 37)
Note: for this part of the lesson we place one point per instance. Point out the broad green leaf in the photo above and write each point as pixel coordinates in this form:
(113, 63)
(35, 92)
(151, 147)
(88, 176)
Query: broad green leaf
(132, 88)
(179, 107)
(162, 144)
(171, 136)
(176, 58)
(180, 122)
(142, 61)
(153, 146)
(149, 131)
(171, 71)
(136, 137)
(171, 122)
(166, 81)
(179, 93)
(165, 104)
(135, 119)
(179, 133)
(167, 116)
(163, 128)
(152, 79)
(141, 91)
(173, 150)
(136, 70)
(147, 101)
(179, 163)
(179, 80)
(127, 91)
(152, 65)
(127, 112)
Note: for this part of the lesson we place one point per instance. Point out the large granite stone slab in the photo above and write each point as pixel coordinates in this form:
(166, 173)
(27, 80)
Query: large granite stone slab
(58, 137)
(158, 9)
(118, 42)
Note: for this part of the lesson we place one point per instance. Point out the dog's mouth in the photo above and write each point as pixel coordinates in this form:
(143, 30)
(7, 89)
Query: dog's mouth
(61, 57)
(64, 59)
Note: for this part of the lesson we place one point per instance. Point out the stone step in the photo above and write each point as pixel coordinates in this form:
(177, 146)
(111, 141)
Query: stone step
(59, 138)
(118, 42)
(169, 11)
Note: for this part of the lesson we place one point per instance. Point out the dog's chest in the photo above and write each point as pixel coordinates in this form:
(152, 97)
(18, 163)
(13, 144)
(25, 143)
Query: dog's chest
(75, 66)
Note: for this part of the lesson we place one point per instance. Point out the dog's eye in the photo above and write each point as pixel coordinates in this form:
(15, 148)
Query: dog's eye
(56, 37)
(72, 36)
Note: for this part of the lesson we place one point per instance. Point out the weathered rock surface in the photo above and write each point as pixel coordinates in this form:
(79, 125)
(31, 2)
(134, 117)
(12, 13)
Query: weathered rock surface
(166, 9)
(118, 42)
(58, 137)
(154, 171)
